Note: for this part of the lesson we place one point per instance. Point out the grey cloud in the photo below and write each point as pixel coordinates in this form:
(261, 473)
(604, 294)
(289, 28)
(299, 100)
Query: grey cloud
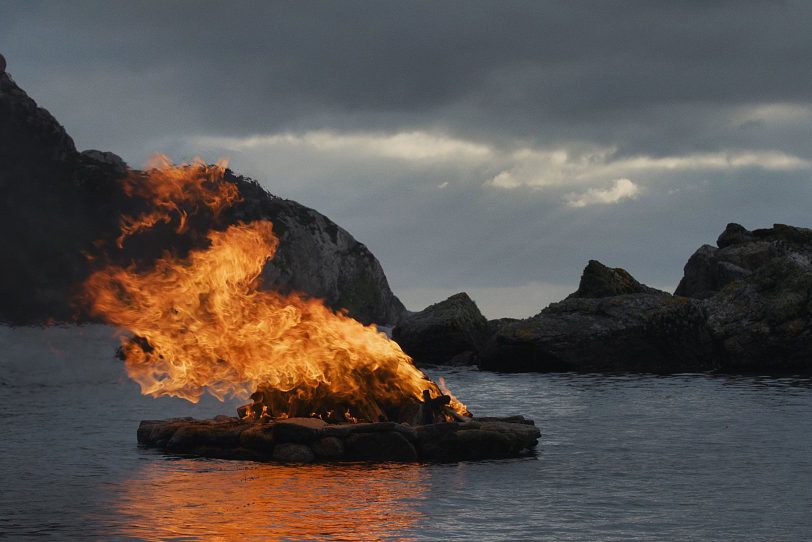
(644, 78)
(263, 66)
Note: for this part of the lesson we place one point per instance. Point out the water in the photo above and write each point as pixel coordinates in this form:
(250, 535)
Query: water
(688, 457)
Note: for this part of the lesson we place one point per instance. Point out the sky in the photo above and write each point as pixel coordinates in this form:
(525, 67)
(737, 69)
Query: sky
(486, 147)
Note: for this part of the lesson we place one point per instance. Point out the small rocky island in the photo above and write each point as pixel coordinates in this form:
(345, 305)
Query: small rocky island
(304, 440)
(742, 305)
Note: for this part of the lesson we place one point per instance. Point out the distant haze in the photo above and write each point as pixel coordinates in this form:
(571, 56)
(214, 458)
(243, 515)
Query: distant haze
(487, 147)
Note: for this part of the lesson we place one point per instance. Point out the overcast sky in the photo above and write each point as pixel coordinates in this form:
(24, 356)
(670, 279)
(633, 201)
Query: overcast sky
(487, 147)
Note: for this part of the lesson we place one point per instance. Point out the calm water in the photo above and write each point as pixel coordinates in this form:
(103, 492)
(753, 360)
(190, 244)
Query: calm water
(688, 457)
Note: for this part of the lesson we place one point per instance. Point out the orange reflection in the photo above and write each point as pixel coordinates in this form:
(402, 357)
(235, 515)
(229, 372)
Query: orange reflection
(223, 500)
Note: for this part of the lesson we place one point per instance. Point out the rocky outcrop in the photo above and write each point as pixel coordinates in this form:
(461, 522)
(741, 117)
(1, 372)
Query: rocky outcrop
(743, 305)
(449, 332)
(763, 320)
(597, 281)
(53, 200)
(318, 257)
(58, 204)
(304, 440)
(737, 254)
(625, 326)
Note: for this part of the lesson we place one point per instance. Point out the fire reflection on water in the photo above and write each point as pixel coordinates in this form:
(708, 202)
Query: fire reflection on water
(216, 500)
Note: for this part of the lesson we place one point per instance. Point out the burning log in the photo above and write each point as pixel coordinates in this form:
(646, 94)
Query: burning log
(324, 405)
(432, 409)
(272, 404)
(256, 410)
(455, 416)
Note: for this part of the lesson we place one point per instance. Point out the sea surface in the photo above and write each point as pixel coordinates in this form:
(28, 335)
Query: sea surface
(622, 457)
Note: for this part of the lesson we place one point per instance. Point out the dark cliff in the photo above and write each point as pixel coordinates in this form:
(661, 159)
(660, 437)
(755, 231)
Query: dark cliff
(59, 203)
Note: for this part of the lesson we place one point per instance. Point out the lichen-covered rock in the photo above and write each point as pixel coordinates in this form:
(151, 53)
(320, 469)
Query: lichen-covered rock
(291, 452)
(757, 287)
(450, 329)
(765, 321)
(647, 330)
(740, 252)
(598, 280)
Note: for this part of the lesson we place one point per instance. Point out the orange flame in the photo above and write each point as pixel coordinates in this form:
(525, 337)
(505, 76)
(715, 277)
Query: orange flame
(167, 187)
(201, 323)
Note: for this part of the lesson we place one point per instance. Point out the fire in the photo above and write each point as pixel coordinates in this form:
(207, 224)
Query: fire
(200, 323)
(168, 188)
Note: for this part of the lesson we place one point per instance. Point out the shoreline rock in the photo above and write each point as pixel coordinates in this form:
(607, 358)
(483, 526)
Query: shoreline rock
(451, 332)
(638, 329)
(742, 306)
(764, 319)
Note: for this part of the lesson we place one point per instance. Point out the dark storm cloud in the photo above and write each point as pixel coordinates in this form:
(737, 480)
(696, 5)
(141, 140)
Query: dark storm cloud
(516, 67)
(711, 87)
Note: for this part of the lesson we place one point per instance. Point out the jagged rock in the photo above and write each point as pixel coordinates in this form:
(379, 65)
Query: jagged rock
(443, 331)
(750, 308)
(495, 325)
(763, 321)
(739, 253)
(105, 159)
(42, 212)
(59, 205)
(647, 331)
(734, 234)
(597, 280)
(290, 452)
